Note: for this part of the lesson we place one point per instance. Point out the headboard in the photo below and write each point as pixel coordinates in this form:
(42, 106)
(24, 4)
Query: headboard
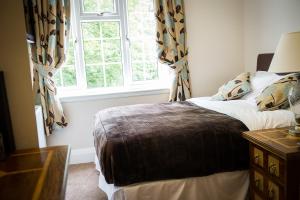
(264, 61)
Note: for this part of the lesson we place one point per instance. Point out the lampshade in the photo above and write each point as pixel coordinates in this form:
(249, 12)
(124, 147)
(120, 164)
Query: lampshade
(287, 54)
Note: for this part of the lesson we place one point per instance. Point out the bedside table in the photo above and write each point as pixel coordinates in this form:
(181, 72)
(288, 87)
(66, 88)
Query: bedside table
(274, 164)
(35, 174)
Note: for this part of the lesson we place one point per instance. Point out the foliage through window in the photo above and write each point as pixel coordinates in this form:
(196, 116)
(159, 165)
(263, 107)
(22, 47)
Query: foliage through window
(112, 45)
(102, 53)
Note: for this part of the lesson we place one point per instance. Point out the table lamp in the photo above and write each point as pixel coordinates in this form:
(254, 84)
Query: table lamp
(287, 60)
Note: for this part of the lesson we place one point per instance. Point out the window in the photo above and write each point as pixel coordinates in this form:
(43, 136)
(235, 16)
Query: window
(66, 77)
(102, 53)
(112, 45)
(141, 32)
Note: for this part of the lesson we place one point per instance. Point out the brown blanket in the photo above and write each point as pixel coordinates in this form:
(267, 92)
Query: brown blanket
(164, 141)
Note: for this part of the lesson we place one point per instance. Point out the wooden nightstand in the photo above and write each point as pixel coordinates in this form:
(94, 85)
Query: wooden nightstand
(274, 164)
(35, 174)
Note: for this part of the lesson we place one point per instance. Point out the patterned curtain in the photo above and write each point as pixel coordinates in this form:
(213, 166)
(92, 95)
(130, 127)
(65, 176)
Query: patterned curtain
(172, 50)
(50, 21)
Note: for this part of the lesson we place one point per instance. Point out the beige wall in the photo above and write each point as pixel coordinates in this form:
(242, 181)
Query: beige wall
(14, 63)
(215, 41)
(265, 21)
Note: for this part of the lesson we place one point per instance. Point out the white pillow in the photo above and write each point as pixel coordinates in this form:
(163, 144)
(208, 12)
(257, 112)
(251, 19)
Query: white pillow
(259, 81)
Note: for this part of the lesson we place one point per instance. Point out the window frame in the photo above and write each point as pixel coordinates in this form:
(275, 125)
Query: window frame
(120, 15)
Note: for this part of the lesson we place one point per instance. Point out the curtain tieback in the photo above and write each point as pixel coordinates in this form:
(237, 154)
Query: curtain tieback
(47, 76)
(45, 73)
(178, 66)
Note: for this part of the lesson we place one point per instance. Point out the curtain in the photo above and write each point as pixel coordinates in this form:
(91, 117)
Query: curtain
(171, 41)
(50, 21)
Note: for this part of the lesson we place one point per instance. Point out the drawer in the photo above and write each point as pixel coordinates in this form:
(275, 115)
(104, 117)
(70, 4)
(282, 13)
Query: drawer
(257, 156)
(257, 197)
(258, 181)
(274, 192)
(275, 166)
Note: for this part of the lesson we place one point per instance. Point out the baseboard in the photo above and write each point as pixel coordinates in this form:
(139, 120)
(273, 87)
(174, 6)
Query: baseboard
(84, 155)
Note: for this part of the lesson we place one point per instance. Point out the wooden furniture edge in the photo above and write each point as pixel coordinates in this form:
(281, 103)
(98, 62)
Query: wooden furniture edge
(267, 146)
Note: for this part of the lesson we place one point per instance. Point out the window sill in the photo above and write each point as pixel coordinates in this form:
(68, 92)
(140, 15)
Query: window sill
(94, 94)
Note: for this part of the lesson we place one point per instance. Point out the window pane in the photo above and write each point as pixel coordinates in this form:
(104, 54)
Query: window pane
(92, 52)
(90, 30)
(70, 59)
(111, 30)
(66, 75)
(69, 76)
(58, 79)
(112, 51)
(114, 75)
(150, 51)
(137, 72)
(142, 39)
(135, 24)
(98, 6)
(136, 50)
(151, 72)
(94, 76)
(102, 50)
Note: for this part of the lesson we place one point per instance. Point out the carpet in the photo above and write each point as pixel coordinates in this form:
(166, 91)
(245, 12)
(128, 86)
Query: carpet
(83, 183)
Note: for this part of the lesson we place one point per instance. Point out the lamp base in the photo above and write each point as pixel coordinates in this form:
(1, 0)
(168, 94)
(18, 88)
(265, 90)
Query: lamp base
(294, 132)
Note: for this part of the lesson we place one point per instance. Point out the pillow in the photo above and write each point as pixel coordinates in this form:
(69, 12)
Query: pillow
(275, 96)
(259, 81)
(234, 89)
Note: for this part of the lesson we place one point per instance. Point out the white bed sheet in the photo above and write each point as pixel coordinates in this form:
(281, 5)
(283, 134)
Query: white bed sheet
(247, 112)
(221, 186)
(225, 186)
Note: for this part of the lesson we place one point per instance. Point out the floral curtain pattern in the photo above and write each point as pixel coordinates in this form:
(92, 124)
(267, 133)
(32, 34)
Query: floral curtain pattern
(50, 23)
(171, 41)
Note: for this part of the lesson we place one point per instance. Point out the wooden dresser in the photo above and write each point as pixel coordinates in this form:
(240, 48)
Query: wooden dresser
(35, 174)
(274, 164)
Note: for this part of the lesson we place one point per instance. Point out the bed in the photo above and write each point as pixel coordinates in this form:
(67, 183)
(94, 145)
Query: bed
(185, 151)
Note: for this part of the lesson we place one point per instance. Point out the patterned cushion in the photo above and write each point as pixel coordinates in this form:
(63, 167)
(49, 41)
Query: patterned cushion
(234, 89)
(275, 96)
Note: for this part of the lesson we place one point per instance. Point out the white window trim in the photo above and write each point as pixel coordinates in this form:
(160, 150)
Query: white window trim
(130, 88)
(93, 94)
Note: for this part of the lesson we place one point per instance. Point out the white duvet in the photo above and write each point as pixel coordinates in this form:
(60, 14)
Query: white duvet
(247, 112)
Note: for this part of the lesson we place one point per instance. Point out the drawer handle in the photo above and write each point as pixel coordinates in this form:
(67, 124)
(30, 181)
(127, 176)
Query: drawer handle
(257, 183)
(256, 159)
(272, 169)
(271, 194)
